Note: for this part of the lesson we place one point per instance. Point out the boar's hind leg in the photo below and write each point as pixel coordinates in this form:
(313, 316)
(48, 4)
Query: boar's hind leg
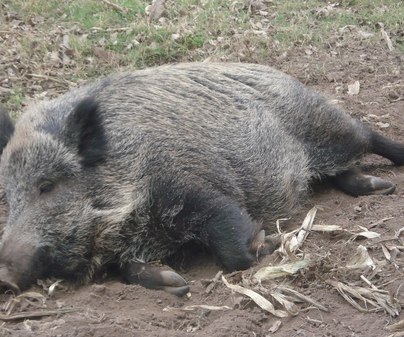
(387, 148)
(355, 183)
(153, 277)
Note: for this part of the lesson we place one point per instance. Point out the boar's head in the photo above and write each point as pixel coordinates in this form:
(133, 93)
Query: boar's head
(45, 170)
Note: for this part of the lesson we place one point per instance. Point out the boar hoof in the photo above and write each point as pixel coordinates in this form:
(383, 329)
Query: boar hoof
(264, 245)
(178, 291)
(356, 183)
(6, 280)
(174, 283)
(380, 186)
(153, 277)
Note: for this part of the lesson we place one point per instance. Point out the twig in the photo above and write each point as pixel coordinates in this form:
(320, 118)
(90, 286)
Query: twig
(54, 79)
(34, 314)
(370, 284)
(314, 321)
(383, 240)
(302, 297)
(117, 7)
(118, 29)
(214, 281)
(377, 223)
(386, 38)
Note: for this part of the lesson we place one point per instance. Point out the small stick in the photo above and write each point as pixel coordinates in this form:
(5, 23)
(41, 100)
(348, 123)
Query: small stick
(34, 314)
(314, 321)
(117, 7)
(383, 240)
(210, 287)
(377, 223)
(370, 284)
(118, 29)
(51, 79)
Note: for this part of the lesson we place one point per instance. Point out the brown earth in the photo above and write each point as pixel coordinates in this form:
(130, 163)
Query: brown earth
(111, 308)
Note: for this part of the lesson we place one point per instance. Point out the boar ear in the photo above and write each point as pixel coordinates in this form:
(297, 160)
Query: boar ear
(6, 128)
(85, 133)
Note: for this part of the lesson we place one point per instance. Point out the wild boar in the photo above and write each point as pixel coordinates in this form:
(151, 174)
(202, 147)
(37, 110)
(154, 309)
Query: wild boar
(130, 169)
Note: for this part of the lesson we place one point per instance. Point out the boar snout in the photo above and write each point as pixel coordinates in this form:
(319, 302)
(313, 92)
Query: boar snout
(21, 263)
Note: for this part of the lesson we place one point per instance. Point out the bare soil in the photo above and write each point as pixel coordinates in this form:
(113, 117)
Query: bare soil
(111, 308)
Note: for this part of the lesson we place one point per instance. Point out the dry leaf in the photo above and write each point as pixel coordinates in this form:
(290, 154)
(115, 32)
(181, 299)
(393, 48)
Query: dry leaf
(364, 34)
(306, 228)
(275, 327)
(254, 6)
(175, 37)
(368, 234)
(103, 54)
(386, 38)
(325, 11)
(361, 259)
(301, 297)
(386, 253)
(28, 298)
(292, 241)
(382, 125)
(156, 9)
(116, 7)
(261, 301)
(289, 306)
(206, 307)
(353, 89)
(372, 299)
(326, 228)
(399, 326)
(53, 286)
(272, 272)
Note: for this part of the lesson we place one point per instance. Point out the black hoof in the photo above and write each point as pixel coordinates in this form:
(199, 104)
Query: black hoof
(264, 245)
(173, 283)
(153, 277)
(380, 186)
(356, 183)
(178, 291)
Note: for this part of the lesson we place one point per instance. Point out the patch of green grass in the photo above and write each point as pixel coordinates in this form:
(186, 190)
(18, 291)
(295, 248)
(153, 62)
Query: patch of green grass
(292, 21)
(192, 41)
(14, 103)
(98, 14)
(189, 30)
(88, 13)
(312, 22)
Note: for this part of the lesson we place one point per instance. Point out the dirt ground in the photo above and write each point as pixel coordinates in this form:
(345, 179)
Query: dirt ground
(111, 308)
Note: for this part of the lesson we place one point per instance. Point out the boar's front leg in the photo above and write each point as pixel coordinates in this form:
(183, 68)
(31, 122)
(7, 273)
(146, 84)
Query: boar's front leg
(234, 237)
(153, 277)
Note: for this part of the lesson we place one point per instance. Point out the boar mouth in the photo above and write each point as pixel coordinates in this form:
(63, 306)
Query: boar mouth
(20, 269)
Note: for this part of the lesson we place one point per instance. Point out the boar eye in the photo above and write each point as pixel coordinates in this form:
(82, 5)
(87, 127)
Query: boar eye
(46, 187)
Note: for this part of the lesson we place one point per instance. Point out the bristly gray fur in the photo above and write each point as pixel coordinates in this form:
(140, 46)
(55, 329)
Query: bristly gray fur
(246, 132)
